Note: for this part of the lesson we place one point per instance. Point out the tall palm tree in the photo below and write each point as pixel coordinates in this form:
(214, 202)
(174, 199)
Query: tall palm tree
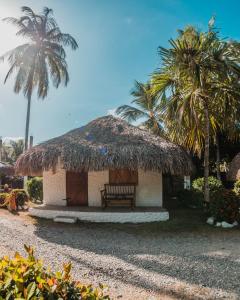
(43, 55)
(195, 72)
(146, 107)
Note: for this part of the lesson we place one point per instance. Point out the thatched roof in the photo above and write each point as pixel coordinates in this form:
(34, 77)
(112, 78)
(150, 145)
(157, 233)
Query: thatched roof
(6, 169)
(104, 143)
(234, 169)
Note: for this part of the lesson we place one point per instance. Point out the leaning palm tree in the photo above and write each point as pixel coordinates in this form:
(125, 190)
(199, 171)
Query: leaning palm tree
(195, 72)
(43, 55)
(146, 107)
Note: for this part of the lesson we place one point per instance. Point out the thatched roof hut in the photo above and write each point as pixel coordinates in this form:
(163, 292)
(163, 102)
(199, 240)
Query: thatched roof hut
(234, 169)
(6, 169)
(106, 143)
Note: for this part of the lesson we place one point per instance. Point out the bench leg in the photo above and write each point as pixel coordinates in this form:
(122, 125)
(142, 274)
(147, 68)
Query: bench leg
(104, 204)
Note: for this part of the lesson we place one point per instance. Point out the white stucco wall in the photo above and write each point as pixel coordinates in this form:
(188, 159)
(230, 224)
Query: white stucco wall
(54, 187)
(96, 181)
(149, 189)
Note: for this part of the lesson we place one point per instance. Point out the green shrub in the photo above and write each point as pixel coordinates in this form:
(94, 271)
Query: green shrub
(26, 278)
(237, 188)
(213, 182)
(21, 196)
(3, 197)
(224, 206)
(35, 188)
(190, 198)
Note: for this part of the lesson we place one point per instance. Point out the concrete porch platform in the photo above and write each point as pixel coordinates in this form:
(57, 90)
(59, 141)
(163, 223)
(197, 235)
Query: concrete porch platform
(97, 215)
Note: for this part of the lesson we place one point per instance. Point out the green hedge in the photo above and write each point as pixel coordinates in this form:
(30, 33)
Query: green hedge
(3, 197)
(224, 206)
(27, 278)
(21, 196)
(35, 188)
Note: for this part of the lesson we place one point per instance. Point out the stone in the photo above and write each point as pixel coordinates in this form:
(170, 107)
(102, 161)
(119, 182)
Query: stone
(218, 224)
(63, 219)
(227, 225)
(210, 221)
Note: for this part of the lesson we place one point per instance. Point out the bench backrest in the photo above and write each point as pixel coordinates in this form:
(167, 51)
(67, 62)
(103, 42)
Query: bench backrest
(120, 189)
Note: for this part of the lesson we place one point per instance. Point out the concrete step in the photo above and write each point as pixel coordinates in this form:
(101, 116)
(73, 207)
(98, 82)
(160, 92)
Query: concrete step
(65, 219)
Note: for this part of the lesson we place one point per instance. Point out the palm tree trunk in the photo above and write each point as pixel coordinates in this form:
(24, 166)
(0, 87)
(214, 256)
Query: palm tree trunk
(218, 157)
(27, 123)
(206, 153)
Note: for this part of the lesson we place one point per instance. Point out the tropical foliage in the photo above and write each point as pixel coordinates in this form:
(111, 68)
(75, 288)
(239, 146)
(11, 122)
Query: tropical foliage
(147, 108)
(27, 278)
(237, 188)
(41, 57)
(214, 184)
(200, 73)
(10, 151)
(35, 188)
(224, 206)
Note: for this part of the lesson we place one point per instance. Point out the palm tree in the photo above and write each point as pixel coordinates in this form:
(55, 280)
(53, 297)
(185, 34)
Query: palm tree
(195, 72)
(147, 108)
(42, 55)
(17, 149)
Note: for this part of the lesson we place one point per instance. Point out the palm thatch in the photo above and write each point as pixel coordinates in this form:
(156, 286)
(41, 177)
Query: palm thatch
(234, 169)
(105, 143)
(6, 169)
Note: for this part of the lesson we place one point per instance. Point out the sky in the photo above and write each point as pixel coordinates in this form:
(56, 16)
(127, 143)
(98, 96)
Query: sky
(118, 41)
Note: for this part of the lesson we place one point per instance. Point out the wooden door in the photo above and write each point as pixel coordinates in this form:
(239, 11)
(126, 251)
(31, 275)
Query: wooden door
(123, 176)
(77, 188)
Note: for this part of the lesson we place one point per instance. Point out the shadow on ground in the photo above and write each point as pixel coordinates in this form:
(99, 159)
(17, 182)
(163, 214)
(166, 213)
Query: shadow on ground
(183, 249)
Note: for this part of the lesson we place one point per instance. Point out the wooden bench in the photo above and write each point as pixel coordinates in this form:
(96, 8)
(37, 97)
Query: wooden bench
(118, 193)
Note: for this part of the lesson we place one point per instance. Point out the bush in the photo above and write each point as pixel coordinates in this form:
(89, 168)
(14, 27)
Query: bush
(35, 188)
(26, 278)
(3, 197)
(20, 196)
(224, 206)
(214, 184)
(191, 198)
(237, 188)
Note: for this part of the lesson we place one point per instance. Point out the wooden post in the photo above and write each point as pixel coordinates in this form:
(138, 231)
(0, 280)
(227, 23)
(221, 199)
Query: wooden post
(31, 141)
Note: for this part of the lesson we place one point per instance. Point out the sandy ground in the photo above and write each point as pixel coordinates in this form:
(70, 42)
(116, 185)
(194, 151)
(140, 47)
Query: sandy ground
(180, 259)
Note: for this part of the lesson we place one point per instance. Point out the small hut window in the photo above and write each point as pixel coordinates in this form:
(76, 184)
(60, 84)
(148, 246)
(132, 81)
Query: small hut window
(123, 176)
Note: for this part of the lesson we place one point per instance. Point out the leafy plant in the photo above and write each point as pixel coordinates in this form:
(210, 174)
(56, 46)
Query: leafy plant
(27, 278)
(20, 196)
(237, 187)
(35, 188)
(213, 182)
(224, 206)
(3, 197)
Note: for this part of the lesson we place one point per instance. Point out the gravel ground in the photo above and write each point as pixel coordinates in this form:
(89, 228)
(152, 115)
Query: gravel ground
(157, 261)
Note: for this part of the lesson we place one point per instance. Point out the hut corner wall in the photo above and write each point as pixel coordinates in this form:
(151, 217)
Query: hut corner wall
(149, 189)
(54, 187)
(96, 181)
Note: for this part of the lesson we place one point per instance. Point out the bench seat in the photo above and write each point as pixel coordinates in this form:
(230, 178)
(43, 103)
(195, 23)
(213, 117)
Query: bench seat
(118, 193)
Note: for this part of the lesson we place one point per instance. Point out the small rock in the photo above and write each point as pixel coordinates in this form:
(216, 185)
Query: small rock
(210, 221)
(218, 224)
(227, 225)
